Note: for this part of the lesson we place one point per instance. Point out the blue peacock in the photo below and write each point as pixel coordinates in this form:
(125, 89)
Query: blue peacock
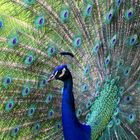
(91, 47)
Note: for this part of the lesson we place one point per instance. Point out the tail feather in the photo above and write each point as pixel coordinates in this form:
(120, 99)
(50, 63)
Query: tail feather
(103, 36)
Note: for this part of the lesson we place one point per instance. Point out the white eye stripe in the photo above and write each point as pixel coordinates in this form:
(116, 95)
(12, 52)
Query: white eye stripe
(63, 72)
(55, 73)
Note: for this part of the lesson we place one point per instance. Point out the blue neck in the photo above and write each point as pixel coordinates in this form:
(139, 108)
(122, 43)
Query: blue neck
(68, 106)
(72, 129)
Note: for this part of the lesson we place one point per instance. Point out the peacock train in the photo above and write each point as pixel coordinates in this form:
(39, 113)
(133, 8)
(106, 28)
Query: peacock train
(69, 70)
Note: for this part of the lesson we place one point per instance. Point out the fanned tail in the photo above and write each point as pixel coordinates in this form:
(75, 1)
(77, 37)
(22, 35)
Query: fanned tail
(103, 37)
(117, 54)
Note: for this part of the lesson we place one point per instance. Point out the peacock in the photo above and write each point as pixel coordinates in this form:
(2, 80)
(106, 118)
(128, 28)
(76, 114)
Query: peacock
(91, 48)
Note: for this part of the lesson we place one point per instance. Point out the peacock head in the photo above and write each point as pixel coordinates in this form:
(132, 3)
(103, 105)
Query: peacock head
(61, 73)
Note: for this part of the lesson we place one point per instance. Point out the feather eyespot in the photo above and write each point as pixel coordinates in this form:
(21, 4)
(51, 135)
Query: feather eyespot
(13, 41)
(9, 105)
(15, 131)
(40, 22)
(7, 81)
(129, 14)
(117, 121)
(25, 91)
(64, 15)
(31, 111)
(131, 118)
(1, 24)
(88, 10)
(77, 42)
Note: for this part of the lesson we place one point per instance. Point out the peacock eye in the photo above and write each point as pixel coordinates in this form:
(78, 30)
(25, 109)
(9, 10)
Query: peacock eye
(62, 72)
(59, 72)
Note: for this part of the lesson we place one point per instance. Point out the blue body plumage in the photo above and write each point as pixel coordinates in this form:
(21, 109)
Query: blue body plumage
(72, 128)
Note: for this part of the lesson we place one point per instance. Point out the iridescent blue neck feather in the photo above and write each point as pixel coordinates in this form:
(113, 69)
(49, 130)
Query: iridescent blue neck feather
(72, 128)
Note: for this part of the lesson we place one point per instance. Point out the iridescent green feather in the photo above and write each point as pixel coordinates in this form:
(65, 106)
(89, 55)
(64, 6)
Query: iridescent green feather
(104, 38)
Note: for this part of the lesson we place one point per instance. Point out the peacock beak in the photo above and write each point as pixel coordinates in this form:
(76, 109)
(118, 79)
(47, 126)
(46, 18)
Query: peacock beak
(51, 78)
